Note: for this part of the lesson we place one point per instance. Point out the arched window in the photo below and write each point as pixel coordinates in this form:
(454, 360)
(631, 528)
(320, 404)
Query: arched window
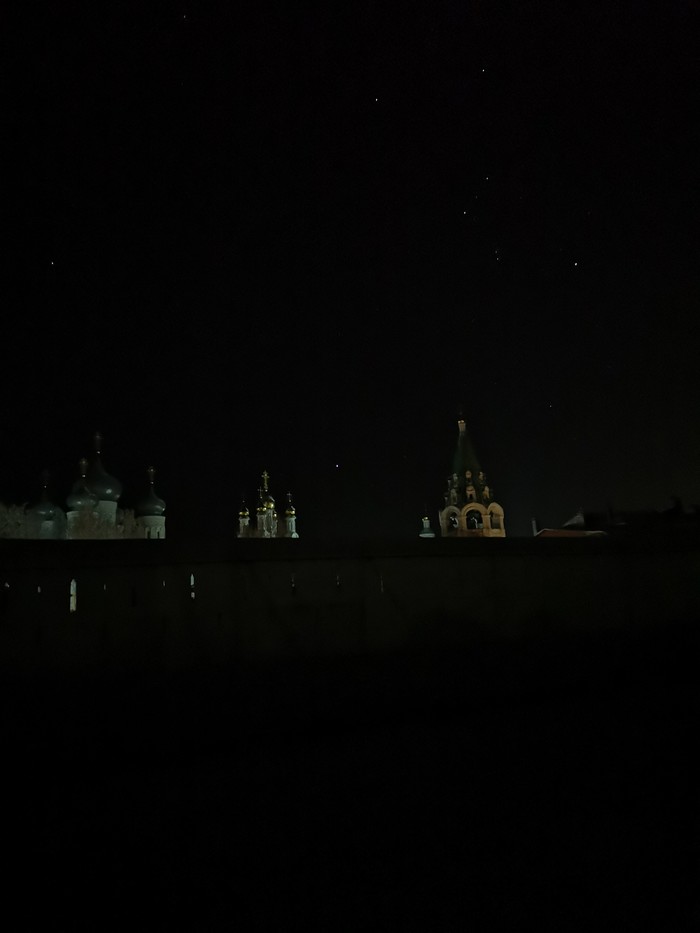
(474, 520)
(73, 595)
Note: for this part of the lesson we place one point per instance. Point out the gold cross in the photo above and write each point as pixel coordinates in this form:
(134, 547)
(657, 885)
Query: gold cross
(265, 478)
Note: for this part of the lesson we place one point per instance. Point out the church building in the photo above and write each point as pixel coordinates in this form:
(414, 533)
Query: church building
(267, 524)
(470, 509)
(92, 509)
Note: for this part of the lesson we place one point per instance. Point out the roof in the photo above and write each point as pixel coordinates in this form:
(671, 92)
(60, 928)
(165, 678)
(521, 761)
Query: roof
(465, 457)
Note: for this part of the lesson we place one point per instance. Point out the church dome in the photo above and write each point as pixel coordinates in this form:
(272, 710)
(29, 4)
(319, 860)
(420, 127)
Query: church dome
(44, 509)
(105, 487)
(151, 504)
(81, 496)
(267, 503)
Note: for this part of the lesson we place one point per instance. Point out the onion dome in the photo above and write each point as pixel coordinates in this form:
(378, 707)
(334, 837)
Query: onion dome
(151, 504)
(290, 508)
(267, 501)
(105, 487)
(44, 509)
(81, 496)
(244, 513)
(261, 505)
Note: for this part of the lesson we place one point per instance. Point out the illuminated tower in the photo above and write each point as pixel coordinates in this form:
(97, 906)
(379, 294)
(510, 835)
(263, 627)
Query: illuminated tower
(243, 521)
(291, 518)
(470, 510)
(150, 511)
(267, 514)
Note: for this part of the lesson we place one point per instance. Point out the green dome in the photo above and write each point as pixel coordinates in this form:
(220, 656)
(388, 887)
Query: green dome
(104, 486)
(81, 496)
(151, 504)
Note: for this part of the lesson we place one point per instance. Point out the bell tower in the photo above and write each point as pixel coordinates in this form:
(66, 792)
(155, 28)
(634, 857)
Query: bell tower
(470, 509)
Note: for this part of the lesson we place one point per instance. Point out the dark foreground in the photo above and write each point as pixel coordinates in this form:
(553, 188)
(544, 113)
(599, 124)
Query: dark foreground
(415, 793)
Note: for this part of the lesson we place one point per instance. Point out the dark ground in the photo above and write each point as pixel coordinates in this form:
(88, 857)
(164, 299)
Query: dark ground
(409, 793)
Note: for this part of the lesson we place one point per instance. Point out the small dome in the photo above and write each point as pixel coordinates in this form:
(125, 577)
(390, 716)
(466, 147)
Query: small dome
(290, 510)
(45, 510)
(81, 496)
(104, 486)
(244, 513)
(151, 504)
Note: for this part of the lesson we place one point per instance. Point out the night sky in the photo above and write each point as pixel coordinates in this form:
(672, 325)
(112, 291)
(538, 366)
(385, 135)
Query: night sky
(304, 237)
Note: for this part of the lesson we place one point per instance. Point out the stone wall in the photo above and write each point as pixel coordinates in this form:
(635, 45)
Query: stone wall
(184, 607)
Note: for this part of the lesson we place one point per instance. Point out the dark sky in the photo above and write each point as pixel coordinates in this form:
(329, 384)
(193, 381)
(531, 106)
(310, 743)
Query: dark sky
(306, 235)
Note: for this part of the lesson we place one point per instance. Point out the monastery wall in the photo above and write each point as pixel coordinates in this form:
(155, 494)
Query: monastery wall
(143, 605)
